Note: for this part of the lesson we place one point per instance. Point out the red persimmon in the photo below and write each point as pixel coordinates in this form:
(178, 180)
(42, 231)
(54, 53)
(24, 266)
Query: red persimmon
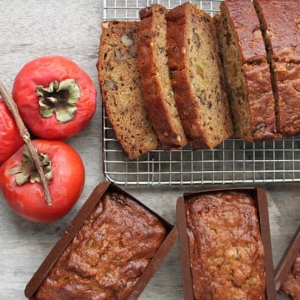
(56, 98)
(21, 187)
(10, 139)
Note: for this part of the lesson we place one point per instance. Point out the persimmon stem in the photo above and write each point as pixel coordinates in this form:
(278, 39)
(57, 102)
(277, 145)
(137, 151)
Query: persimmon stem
(12, 106)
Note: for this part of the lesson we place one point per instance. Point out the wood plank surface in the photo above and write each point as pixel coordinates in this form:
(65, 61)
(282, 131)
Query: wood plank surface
(34, 28)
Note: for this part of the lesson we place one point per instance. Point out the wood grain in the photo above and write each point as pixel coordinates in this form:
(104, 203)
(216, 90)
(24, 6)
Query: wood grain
(32, 28)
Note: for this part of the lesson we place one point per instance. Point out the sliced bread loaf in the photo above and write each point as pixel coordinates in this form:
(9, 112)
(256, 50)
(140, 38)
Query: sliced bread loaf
(197, 76)
(156, 83)
(280, 23)
(121, 91)
(247, 71)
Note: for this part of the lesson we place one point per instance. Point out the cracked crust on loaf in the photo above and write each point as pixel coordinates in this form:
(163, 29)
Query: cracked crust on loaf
(226, 249)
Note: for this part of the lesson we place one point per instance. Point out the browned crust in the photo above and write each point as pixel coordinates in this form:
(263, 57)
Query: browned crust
(287, 83)
(94, 210)
(261, 204)
(242, 16)
(193, 119)
(224, 239)
(119, 239)
(260, 102)
(157, 89)
(252, 103)
(179, 74)
(186, 102)
(282, 21)
(176, 37)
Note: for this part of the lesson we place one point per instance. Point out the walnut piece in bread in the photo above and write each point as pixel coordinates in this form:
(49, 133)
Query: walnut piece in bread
(197, 76)
(121, 90)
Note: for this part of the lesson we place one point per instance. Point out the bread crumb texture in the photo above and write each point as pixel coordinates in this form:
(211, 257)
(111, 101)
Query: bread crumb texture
(156, 83)
(197, 76)
(121, 88)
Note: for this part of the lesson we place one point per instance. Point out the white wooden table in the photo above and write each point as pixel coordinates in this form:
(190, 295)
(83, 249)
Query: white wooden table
(34, 28)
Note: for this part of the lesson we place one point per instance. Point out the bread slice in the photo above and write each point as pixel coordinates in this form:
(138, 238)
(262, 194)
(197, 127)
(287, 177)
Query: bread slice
(121, 91)
(247, 71)
(280, 23)
(197, 76)
(156, 83)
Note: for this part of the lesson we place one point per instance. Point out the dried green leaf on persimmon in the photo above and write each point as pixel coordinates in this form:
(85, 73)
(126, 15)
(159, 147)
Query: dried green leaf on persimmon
(59, 99)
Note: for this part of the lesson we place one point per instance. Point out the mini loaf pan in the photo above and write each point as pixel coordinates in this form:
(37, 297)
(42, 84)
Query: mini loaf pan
(74, 227)
(287, 261)
(260, 197)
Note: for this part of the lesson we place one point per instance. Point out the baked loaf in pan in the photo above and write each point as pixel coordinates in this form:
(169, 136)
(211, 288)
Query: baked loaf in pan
(280, 24)
(121, 90)
(291, 286)
(156, 83)
(108, 254)
(247, 71)
(197, 76)
(225, 246)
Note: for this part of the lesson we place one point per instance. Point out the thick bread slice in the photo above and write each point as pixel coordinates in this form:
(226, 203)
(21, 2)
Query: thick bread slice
(197, 76)
(247, 71)
(121, 91)
(280, 23)
(156, 83)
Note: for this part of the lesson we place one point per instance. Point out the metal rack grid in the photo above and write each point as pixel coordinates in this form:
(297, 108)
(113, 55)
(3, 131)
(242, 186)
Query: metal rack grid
(233, 161)
(129, 9)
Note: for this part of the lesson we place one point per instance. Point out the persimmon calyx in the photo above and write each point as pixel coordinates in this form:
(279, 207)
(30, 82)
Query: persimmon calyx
(59, 99)
(28, 171)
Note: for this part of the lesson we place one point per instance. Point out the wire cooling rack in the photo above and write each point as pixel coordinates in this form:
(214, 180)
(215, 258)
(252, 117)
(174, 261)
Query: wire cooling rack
(233, 161)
